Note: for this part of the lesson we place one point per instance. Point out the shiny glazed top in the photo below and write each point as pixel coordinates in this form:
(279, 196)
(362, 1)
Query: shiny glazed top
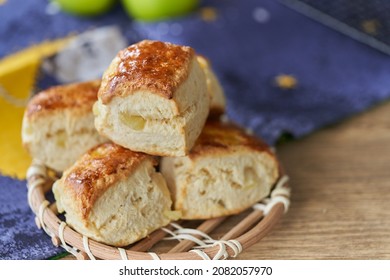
(155, 66)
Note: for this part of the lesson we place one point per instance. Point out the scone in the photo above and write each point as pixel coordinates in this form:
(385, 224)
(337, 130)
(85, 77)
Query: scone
(226, 172)
(214, 88)
(58, 124)
(153, 99)
(114, 195)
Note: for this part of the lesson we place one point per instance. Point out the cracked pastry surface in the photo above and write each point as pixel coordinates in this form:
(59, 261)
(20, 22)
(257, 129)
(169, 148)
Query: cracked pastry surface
(153, 99)
(226, 172)
(58, 124)
(114, 195)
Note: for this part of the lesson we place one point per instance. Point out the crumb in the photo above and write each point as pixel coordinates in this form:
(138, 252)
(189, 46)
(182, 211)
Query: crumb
(370, 26)
(286, 81)
(208, 14)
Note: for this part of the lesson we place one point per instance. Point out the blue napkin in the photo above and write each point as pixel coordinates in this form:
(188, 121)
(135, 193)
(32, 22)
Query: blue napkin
(337, 76)
(19, 236)
(249, 43)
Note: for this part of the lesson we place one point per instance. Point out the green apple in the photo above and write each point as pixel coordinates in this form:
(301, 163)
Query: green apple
(149, 10)
(85, 7)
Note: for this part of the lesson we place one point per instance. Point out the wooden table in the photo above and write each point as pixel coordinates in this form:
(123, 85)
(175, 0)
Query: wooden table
(340, 206)
(340, 179)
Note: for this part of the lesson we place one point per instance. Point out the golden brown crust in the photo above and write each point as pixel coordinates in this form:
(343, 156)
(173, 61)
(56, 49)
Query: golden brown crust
(155, 66)
(216, 113)
(218, 137)
(98, 170)
(78, 96)
(203, 61)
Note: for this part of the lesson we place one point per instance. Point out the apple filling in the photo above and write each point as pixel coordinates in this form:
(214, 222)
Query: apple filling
(133, 121)
(60, 139)
(251, 179)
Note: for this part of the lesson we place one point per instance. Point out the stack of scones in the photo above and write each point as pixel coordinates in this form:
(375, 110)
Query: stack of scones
(146, 145)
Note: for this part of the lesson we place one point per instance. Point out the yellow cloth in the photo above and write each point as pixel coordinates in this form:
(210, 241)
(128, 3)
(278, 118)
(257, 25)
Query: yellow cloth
(17, 78)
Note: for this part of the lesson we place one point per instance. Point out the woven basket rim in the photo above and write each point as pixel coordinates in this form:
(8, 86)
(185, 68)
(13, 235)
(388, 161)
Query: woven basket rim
(250, 230)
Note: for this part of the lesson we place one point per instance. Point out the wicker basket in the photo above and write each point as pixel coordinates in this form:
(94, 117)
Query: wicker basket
(192, 240)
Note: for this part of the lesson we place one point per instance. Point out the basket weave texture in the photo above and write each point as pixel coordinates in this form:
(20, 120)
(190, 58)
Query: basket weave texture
(181, 240)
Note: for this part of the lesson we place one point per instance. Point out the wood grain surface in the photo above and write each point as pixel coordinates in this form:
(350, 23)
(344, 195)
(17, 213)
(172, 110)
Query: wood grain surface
(340, 179)
(341, 191)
